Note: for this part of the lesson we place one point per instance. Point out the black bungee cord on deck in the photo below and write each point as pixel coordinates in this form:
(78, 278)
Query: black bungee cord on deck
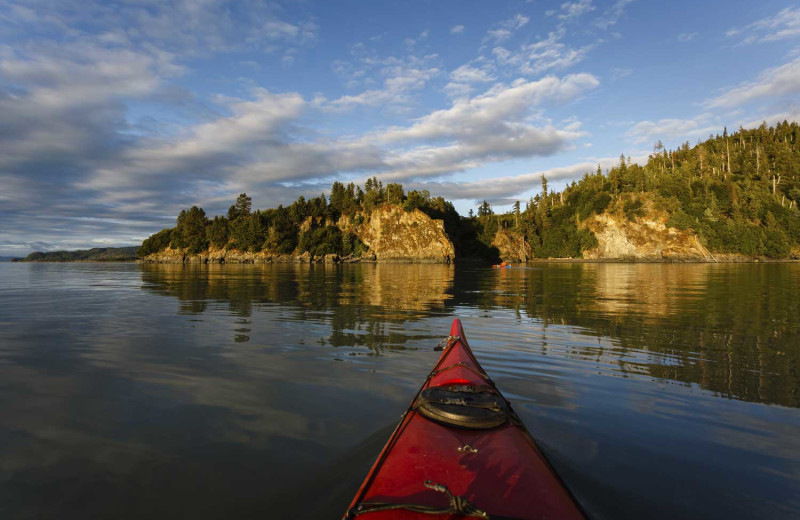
(458, 505)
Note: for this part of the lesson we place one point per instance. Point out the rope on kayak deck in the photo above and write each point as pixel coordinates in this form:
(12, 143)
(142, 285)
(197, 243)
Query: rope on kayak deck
(458, 505)
(446, 343)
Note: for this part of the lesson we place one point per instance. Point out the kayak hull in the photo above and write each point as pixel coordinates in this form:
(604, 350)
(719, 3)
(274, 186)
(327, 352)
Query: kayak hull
(499, 471)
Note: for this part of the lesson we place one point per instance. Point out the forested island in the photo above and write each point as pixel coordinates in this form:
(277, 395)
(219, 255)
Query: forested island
(96, 254)
(731, 197)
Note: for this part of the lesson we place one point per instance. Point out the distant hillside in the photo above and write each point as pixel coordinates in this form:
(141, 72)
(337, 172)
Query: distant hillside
(731, 197)
(97, 254)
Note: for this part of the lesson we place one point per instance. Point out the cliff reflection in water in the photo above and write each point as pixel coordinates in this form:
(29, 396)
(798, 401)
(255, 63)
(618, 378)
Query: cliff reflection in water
(730, 329)
(358, 301)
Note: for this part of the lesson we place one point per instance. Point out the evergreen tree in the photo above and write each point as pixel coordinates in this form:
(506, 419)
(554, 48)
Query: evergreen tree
(241, 208)
(217, 232)
(190, 233)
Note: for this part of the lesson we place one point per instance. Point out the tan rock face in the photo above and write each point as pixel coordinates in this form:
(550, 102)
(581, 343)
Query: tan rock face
(512, 246)
(305, 226)
(393, 234)
(167, 256)
(645, 237)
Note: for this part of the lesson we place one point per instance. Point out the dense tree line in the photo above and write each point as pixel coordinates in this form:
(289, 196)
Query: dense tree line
(739, 192)
(305, 225)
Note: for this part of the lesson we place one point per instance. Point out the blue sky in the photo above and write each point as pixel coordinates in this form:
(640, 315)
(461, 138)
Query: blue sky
(116, 115)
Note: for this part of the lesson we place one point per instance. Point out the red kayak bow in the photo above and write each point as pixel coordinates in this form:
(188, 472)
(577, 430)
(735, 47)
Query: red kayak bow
(460, 451)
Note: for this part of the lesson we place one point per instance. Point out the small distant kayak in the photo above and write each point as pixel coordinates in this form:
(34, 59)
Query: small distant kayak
(460, 451)
(502, 266)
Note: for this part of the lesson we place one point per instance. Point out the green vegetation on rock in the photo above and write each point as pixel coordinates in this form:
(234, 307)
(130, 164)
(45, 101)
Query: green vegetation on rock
(318, 226)
(738, 192)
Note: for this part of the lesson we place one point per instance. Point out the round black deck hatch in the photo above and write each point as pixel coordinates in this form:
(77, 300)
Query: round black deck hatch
(463, 407)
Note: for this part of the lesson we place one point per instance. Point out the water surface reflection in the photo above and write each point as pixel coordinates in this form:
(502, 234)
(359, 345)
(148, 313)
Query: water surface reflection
(247, 391)
(731, 329)
(358, 301)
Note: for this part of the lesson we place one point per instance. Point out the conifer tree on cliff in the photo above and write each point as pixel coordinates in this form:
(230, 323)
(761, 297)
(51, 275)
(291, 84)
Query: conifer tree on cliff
(485, 209)
(241, 208)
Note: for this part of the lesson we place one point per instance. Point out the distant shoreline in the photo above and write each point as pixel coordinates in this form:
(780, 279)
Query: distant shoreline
(96, 254)
(24, 261)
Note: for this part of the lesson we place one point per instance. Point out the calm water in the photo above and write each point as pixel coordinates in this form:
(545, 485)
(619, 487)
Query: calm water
(163, 392)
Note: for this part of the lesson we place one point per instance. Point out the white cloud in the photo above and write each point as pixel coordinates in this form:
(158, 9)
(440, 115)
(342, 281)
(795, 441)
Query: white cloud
(66, 117)
(505, 29)
(778, 81)
(517, 22)
(253, 148)
(457, 29)
(791, 114)
(400, 77)
(469, 74)
(207, 150)
(571, 10)
(411, 42)
(686, 37)
(85, 74)
(463, 78)
(455, 90)
(543, 55)
(501, 111)
(612, 15)
(498, 35)
(619, 73)
(278, 29)
(784, 25)
(68, 109)
(86, 118)
(491, 127)
(396, 89)
(293, 162)
(179, 26)
(505, 190)
(488, 128)
(674, 128)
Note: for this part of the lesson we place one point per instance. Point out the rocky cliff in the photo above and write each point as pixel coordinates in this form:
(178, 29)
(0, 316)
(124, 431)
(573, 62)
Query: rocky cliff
(394, 234)
(512, 246)
(643, 238)
(391, 234)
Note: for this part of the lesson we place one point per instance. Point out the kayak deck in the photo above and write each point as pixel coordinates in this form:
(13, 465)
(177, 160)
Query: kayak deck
(495, 472)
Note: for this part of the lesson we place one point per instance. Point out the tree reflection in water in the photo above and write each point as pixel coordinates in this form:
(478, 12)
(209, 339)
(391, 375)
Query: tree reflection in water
(730, 329)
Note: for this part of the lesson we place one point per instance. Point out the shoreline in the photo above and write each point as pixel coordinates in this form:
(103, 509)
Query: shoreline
(467, 261)
(665, 261)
